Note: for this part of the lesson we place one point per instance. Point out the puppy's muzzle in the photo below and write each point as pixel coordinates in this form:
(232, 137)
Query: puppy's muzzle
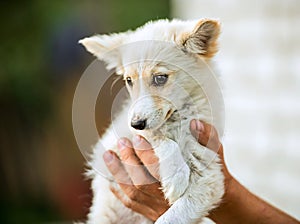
(139, 124)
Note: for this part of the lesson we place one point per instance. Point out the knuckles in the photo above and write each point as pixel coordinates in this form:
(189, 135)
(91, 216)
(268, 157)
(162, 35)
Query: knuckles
(133, 195)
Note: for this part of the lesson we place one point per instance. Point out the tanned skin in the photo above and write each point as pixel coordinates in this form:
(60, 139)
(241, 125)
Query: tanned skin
(239, 205)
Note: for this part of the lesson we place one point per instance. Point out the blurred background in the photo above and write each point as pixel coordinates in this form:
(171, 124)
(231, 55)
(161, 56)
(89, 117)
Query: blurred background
(41, 166)
(259, 61)
(41, 62)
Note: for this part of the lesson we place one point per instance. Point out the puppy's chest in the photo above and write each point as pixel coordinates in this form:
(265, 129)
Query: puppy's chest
(194, 154)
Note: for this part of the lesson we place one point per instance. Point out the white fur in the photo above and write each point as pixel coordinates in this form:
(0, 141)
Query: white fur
(190, 174)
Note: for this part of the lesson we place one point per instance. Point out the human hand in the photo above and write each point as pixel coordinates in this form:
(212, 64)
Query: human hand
(239, 205)
(207, 136)
(137, 174)
(137, 170)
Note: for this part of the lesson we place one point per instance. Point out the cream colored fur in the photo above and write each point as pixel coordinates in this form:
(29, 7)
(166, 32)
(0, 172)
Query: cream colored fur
(190, 174)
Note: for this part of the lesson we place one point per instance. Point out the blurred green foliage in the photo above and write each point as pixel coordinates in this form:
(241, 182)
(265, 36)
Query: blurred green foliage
(24, 78)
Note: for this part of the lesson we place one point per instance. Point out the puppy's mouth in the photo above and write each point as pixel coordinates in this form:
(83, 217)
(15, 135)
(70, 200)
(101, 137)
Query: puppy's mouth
(169, 114)
(169, 117)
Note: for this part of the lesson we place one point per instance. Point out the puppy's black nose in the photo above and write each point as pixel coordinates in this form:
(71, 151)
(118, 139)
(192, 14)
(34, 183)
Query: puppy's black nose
(139, 124)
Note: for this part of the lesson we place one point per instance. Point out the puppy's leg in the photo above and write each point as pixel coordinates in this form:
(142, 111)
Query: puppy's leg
(194, 204)
(194, 191)
(173, 170)
(181, 212)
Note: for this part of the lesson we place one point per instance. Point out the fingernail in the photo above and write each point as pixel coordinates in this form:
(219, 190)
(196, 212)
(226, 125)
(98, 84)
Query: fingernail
(136, 140)
(108, 157)
(123, 143)
(199, 126)
(193, 125)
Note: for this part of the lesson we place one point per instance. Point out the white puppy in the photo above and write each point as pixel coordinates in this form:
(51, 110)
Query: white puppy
(166, 68)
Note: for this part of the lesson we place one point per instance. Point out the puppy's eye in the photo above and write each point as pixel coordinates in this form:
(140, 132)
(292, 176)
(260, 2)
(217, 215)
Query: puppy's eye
(159, 80)
(129, 81)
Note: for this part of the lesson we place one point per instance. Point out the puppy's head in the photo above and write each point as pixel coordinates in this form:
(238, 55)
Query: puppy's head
(153, 60)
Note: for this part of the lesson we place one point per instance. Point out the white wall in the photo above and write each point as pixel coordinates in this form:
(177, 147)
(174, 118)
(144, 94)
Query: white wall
(260, 64)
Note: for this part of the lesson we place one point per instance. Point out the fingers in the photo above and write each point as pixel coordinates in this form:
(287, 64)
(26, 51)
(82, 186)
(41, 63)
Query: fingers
(136, 206)
(206, 135)
(139, 174)
(121, 176)
(116, 167)
(145, 199)
(146, 154)
(129, 172)
(133, 165)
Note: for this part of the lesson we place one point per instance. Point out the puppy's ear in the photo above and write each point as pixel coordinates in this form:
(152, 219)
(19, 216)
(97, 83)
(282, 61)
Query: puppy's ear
(105, 47)
(203, 39)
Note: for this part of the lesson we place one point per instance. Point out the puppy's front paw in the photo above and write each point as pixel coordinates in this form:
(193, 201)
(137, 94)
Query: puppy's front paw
(175, 185)
(174, 171)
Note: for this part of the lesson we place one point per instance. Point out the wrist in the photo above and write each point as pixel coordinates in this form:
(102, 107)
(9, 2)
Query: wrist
(222, 214)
